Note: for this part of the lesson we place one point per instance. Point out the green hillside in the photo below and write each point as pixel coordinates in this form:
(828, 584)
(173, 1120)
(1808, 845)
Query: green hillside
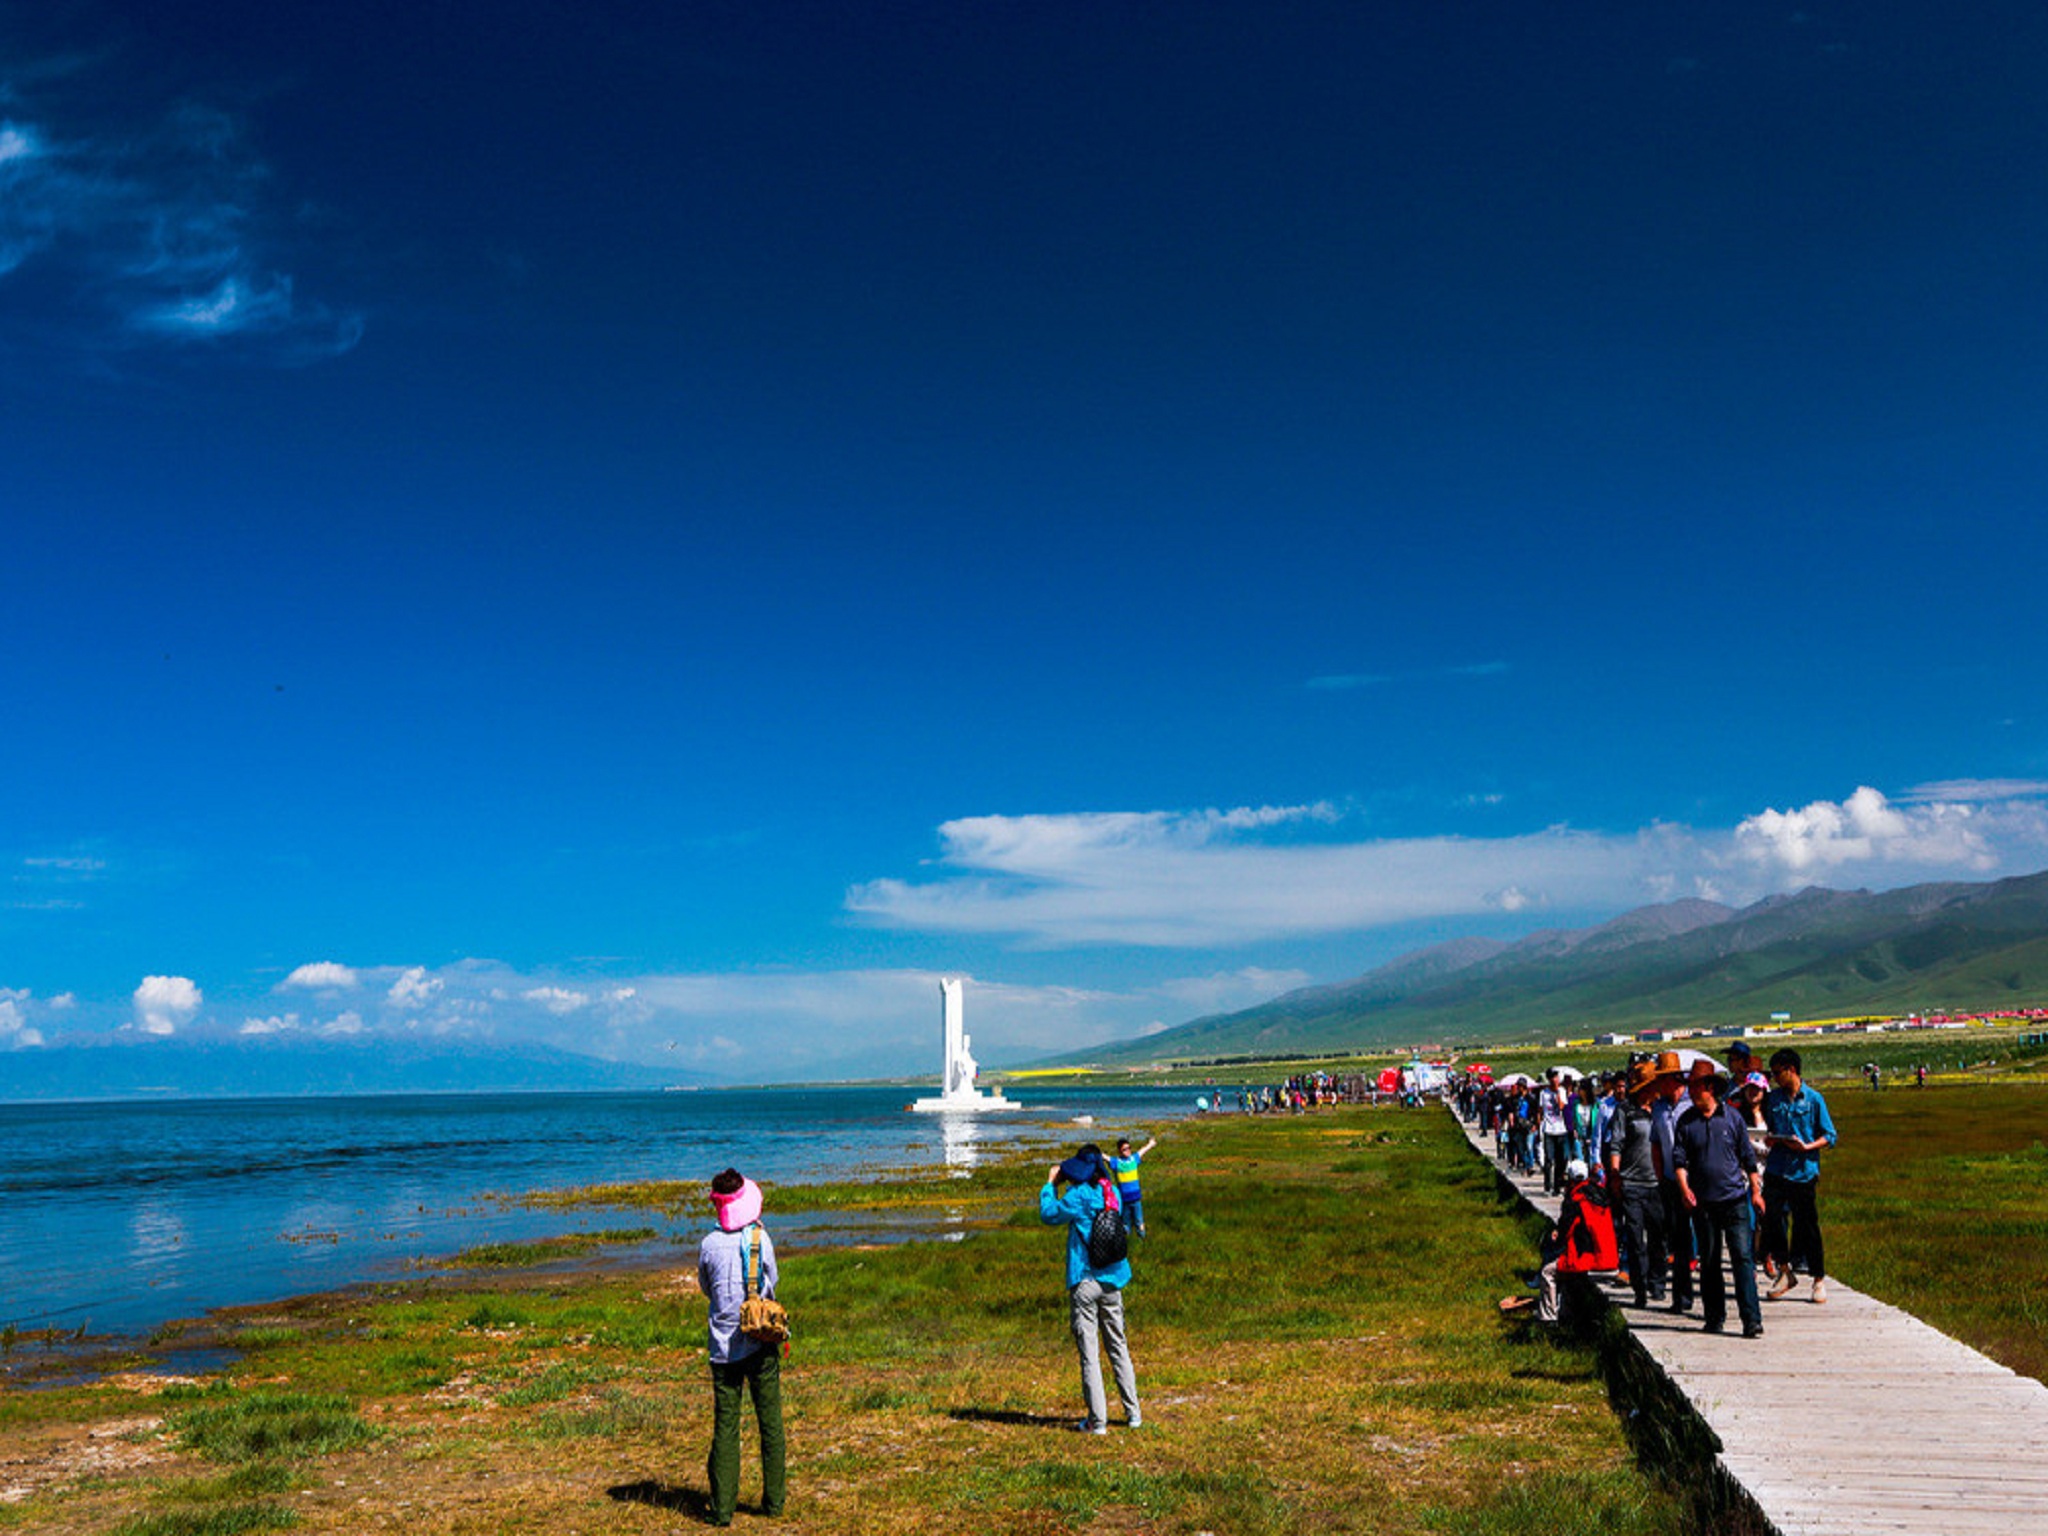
(1819, 953)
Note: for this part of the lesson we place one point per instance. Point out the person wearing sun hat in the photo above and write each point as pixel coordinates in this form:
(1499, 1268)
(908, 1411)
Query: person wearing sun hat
(740, 1365)
(1095, 1292)
(1632, 1172)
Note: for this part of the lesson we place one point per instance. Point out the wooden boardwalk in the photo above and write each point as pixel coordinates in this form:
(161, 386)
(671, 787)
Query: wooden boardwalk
(1853, 1418)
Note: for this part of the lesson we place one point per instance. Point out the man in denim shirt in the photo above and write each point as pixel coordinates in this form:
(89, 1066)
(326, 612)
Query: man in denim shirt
(1717, 1168)
(1801, 1129)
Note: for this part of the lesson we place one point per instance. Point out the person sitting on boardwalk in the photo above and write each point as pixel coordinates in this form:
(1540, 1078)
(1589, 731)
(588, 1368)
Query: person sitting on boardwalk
(1125, 1166)
(1800, 1130)
(1095, 1281)
(1717, 1167)
(1582, 1243)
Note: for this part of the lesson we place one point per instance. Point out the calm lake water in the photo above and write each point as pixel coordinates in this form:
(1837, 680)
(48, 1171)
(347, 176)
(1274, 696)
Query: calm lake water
(119, 1216)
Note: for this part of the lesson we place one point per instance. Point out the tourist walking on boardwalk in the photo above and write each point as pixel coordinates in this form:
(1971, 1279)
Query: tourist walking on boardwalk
(1800, 1130)
(1720, 1181)
(1096, 1277)
(1631, 1156)
(740, 1364)
(1553, 1110)
(1125, 1166)
(1665, 1106)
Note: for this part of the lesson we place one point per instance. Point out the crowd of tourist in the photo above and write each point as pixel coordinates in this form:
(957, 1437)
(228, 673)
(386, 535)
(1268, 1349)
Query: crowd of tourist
(1682, 1177)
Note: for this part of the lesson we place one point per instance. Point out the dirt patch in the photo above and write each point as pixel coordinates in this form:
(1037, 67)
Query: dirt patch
(119, 1446)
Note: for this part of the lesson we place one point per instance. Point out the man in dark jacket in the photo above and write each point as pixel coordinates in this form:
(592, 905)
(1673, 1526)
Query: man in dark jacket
(1717, 1171)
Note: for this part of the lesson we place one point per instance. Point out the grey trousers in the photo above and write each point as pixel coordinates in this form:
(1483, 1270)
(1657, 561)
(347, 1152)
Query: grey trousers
(1096, 1305)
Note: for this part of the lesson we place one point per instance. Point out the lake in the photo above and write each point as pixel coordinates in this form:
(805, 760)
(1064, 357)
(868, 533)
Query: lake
(121, 1216)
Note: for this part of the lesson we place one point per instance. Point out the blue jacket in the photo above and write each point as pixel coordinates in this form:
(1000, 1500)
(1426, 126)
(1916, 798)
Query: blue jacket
(1077, 1208)
(1805, 1116)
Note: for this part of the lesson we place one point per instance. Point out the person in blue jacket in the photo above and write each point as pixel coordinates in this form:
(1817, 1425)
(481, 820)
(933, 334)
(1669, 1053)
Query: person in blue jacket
(1095, 1293)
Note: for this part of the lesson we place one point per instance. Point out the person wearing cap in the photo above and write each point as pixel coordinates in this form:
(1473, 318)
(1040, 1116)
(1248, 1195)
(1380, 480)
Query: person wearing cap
(1720, 1180)
(1800, 1130)
(1666, 1104)
(1095, 1293)
(740, 1365)
(1631, 1155)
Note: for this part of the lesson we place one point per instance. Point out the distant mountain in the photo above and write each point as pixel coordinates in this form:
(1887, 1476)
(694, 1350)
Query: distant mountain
(1816, 953)
(266, 1069)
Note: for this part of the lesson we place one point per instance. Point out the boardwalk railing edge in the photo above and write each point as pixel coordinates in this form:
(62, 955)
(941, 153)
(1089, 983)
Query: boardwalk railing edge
(1670, 1437)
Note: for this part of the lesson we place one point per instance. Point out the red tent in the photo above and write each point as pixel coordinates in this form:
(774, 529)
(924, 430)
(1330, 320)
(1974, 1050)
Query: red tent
(1390, 1080)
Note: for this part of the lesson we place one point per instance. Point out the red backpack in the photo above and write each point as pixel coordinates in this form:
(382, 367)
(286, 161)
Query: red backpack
(1587, 1221)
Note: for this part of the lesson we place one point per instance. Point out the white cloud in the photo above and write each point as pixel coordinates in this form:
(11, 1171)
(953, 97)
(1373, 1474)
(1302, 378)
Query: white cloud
(323, 975)
(347, 1024)
(557, 1000)
(413, 988)
(276, 1024)
(162, 1003)
(1175, 879)
(15, 1031)
(1863, 829)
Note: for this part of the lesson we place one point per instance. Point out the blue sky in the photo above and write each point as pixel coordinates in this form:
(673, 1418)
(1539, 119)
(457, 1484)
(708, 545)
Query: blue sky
(662, 528)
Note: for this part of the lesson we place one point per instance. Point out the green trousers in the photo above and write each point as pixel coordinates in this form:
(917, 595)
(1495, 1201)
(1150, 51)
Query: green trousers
(760, 1374)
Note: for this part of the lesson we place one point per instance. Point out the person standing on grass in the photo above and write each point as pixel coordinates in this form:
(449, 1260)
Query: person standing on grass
(1553, 1108)
(1800, 1130)
(1095, 1291)
(740, 1365)
(1720, 1182)
(1125, 1166)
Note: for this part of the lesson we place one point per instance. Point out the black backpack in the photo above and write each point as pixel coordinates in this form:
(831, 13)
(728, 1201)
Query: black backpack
(1108, 1242)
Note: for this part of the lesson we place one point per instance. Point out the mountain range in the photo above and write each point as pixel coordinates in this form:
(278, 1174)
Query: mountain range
(1816, 954)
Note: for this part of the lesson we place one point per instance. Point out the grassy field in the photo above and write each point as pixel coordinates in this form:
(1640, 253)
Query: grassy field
(1937, 1201)
(1312, 1319)
(1313, 1322)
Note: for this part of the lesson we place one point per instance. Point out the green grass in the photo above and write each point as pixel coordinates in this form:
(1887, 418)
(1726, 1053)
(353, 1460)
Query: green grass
(1937, 1201)
(266, 1423)
(228, 1521)
(545, 1250)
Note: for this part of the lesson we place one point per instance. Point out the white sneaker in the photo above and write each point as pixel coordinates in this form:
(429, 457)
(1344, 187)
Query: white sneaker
(1090, 1427)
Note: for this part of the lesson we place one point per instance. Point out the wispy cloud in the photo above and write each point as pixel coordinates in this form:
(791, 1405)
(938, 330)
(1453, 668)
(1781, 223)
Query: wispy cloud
(167, 232)
(1169, 879)
(1339, 682)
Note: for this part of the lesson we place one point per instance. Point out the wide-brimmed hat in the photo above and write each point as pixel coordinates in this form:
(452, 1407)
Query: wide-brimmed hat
(1670, 1064)
(1642, 1078)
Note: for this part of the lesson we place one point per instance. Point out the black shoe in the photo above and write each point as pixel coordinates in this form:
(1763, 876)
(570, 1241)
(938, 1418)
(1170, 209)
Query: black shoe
(1752, 1330)
(1714, 1327)
(1681, 1309)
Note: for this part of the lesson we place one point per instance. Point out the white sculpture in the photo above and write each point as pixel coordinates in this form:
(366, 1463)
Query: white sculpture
(957, 1094)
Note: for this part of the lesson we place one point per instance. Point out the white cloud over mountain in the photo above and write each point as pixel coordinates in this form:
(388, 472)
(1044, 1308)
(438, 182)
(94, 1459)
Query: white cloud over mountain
(1216, 878)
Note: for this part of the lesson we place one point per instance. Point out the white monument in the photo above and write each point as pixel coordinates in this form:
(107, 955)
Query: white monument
(957, 1095)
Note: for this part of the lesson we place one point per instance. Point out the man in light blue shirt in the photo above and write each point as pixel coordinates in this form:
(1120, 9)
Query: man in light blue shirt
(1801, 1129)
